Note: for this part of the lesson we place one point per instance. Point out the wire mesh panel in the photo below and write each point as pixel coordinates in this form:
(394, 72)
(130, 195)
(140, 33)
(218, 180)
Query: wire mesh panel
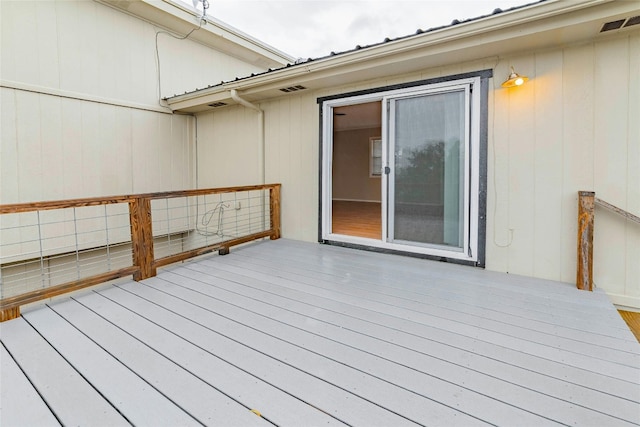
(45, 248)
(49, 248)
(186, 223)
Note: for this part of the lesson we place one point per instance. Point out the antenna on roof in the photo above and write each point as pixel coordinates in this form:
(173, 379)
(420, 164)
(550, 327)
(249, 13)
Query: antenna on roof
(205, 6)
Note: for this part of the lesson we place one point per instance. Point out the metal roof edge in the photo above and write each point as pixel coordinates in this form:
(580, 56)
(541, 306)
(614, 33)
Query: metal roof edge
(503, 20)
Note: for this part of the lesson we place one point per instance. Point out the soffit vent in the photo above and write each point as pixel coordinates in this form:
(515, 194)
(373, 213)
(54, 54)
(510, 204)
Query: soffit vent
(620, 23)
(218, 104)
(292, 88)
(634, 20)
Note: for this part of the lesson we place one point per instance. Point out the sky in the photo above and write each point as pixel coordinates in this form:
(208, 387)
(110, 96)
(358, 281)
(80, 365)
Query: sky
(314, 28)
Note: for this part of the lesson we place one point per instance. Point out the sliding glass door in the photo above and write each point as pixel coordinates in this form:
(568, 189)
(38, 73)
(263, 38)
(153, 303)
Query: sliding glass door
(427, 167)
(428, 161)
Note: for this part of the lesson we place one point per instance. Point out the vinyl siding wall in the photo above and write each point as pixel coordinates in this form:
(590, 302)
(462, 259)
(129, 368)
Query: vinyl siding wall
(574, 126)
(80, 105)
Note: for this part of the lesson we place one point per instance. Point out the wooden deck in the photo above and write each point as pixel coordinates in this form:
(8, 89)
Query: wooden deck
(308, 334)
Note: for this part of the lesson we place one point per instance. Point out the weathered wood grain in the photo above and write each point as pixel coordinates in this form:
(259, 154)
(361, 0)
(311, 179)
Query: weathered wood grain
(584, 275)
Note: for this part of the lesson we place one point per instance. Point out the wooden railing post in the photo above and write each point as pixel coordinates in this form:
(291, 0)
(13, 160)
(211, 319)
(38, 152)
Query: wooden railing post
(274, 201)
(142, 238)
(586, 205)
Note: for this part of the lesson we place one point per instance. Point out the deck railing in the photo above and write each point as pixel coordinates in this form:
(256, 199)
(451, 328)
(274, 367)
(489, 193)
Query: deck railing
(587, 202)
(51, 248)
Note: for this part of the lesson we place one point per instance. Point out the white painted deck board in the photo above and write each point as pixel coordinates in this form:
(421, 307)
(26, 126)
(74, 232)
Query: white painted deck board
(197, 398)
(309, 334)
(73, 400)
(379, 358)
(18, 393)
(273, 404)
(468, 309)
(456, 288)
(304, 362)
(314, 390)
(548, 346)
(498, 380)
(389, 372)
(137, 400)
(456, 285)
(436, 340)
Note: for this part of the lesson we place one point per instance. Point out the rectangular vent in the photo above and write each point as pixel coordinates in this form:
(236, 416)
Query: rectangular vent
(634, 20)
(218, 104)
(292, 88)
(613, 25)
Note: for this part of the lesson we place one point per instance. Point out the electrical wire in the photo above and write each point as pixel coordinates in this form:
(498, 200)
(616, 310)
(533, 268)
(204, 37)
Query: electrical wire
(201, 21)
(495, 188)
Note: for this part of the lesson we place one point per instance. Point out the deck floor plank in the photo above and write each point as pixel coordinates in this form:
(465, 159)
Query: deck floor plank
(548, 346)
(272, 403)
(508, 301)
(355, 382)
(181, 320)
(391, 372)
(20, 395)
(616, 343)
(551, 367)
(497, 379)
(136, 399)
(196, 397)
(309, 334)
(72, 399)
(404, 367)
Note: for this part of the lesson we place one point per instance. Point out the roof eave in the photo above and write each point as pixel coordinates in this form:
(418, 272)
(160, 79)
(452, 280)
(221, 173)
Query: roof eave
(503, 26)
(214, 33)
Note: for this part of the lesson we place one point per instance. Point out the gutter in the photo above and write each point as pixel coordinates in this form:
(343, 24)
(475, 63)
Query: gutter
(261, 158)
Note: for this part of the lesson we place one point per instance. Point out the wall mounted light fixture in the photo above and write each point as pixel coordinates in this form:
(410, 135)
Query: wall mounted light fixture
(515, 79)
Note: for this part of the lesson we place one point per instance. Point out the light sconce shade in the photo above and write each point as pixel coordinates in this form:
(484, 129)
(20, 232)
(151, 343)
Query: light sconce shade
(515, 79)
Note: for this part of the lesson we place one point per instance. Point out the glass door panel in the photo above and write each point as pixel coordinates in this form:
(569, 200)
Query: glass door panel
(427, 140)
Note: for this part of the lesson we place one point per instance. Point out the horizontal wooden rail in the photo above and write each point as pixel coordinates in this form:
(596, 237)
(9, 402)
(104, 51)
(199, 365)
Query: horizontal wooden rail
(587, 201)
(141, 238)
(12, 303)
(627, 215)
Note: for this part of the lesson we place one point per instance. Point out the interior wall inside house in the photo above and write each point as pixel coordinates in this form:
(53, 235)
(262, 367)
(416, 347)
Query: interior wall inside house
(351, 175)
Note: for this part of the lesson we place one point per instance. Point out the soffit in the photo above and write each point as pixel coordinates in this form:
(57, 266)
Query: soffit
(546, 25)
(214, 34)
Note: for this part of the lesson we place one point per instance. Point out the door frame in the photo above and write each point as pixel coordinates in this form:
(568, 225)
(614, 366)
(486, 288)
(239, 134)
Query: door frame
(475, 253)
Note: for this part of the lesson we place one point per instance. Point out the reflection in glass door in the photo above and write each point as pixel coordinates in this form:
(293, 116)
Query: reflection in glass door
(428, 158)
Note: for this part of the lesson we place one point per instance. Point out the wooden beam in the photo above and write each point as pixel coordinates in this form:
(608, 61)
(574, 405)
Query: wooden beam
(208, 249)
(274, 201)
(584, 276)
(142, 238)
(9, 313)
(12, 303)
(627, 215)
(97, 201)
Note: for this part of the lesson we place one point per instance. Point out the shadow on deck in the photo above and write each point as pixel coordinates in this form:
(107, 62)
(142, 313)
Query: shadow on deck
(307, 334)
